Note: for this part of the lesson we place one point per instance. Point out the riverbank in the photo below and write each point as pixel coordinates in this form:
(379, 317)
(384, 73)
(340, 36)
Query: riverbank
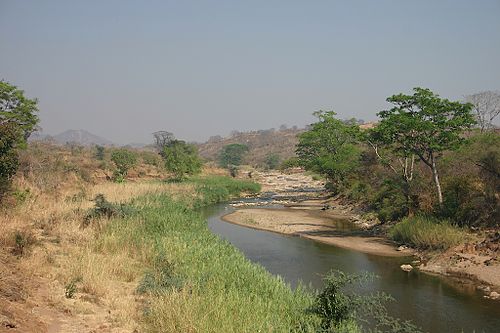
(313, 214)
(318, 226)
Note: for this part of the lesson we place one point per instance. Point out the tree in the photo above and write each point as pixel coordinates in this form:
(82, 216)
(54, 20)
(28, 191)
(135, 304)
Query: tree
(272, 161)
(99, 152)
(425, 125)
(329, 147)
(486, 107)
(18, 110)
(124, 160)
(181, 158)
(162, 139)
(18, 120)
(232, 155)
(8, 156)
(401, 162)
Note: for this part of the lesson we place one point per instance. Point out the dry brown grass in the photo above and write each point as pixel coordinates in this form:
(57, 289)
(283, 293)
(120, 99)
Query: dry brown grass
(42, 227)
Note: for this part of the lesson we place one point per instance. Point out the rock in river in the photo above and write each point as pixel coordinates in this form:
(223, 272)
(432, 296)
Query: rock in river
(406, 268)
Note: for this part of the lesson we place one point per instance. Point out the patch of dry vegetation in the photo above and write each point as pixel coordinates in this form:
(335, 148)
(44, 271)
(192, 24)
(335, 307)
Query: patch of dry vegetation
(42, 240)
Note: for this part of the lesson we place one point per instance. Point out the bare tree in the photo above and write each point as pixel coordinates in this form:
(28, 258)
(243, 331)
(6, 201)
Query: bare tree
(486, 106)
(162, 140)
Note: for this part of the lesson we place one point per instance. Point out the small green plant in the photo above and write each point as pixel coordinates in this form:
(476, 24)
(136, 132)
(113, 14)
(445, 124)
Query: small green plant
(22, 241)
(343, 311)
(71, 288)
(160, 278)
(104, 208)
(99, 152)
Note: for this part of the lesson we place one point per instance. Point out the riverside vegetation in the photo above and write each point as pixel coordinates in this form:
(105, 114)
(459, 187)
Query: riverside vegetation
(143, 258)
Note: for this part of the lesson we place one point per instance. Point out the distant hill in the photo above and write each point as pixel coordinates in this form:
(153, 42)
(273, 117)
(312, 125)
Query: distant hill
(81, 137)
(260, 143)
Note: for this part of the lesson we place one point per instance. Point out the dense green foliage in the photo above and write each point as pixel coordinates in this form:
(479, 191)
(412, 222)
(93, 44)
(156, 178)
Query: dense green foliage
(100, 152)
(181, 159)
(392, 168)
(427, 232)
(18, 120)
(18, 110)
(232, 155)
(330, 147)
(424, 125)
(216, 189)
(8, 156)
(124, 160)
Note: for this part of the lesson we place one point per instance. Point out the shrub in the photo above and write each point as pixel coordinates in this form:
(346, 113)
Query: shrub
(272, 161)
(99, 152)
(124, 160)
(232, 154)
(9, 161)
(427, 233)
(292, 162)
(181, 159)
(104, 208)
(342, 311)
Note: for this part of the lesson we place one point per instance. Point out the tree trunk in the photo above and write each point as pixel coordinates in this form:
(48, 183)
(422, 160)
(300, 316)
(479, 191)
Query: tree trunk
(436, 180)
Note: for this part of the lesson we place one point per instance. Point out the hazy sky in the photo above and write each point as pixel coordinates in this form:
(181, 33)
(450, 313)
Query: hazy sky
(124, 69)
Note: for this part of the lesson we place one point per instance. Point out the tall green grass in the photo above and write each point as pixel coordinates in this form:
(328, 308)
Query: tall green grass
(216, 189)
(427, 233)
(197, 282)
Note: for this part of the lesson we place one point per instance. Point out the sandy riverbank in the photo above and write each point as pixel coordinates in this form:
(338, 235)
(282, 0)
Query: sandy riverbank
(314, 225)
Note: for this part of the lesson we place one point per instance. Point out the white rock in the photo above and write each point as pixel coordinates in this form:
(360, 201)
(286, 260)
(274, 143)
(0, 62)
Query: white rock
(406, 268)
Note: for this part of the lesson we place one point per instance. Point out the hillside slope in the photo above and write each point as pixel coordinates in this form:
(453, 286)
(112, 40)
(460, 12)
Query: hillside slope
(260, 143)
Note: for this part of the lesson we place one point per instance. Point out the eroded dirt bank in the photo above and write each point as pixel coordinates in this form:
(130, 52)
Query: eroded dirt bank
(310, 212)
(316, 226)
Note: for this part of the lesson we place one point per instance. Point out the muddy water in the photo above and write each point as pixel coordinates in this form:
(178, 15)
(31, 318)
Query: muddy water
(434, 303)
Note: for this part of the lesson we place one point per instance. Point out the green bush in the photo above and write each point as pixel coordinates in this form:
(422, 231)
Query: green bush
(427, 233)
(9, 161)
(124, 160)
(272, 161)
(232, 154)
(104, 208)
(99, 152)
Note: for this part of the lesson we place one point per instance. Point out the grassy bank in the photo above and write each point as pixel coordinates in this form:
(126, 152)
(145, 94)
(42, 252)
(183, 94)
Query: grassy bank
(427, 233)
(192, 280)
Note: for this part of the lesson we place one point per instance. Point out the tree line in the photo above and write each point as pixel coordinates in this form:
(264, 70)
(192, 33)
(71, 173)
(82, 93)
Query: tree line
(393, 166)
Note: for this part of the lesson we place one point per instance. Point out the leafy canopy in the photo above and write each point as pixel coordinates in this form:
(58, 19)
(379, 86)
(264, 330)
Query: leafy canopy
(329, 147)
(18, 110)
(181, 159)
(424, 124)
(232, 154)
(124, 160)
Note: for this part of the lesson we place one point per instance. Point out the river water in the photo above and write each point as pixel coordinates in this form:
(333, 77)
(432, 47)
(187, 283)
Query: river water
(436, 304)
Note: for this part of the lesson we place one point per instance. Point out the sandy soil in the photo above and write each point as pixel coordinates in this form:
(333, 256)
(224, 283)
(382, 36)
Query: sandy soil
(313, 225)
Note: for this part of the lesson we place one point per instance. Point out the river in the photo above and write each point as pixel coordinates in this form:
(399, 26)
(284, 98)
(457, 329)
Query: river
(436, 304)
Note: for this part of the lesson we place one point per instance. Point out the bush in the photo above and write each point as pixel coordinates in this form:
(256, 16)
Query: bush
(99, 152)
(181, 159)
(124, 160)
(292, 162)
(232, 155)
(272, 161)
(341, 311)
(104, 208)
(9, 161)
(427, 233)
